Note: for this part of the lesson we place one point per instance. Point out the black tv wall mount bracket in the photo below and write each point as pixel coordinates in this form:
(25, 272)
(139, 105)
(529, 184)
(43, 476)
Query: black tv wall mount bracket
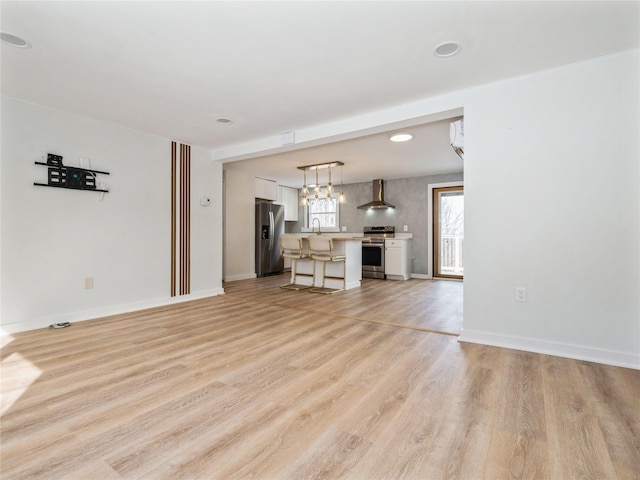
(75, 178)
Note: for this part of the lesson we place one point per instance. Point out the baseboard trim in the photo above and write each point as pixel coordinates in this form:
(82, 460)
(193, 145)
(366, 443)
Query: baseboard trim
(93, 314)
(244, 276)
(421, 276)
(577, 352)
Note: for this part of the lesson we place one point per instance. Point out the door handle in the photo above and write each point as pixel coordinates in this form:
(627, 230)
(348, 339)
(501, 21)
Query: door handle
(271, 230)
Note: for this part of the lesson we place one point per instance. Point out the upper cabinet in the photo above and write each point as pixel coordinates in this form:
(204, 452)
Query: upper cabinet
(289, 198)
(270, 190)
(266, 189)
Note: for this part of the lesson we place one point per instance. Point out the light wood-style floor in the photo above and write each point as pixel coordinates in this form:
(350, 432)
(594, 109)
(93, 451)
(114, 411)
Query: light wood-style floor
(422, 304)
(245, 386)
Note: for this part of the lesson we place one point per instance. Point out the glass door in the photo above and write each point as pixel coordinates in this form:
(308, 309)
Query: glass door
(448, 232)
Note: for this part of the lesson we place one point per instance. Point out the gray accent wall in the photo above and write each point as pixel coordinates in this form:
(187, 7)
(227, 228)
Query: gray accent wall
(409, 195)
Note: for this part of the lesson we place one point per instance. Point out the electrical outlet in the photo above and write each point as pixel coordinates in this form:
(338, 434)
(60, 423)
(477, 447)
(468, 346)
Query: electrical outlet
(406, 228)
(344, 229)
(88, 283)
(521, 294)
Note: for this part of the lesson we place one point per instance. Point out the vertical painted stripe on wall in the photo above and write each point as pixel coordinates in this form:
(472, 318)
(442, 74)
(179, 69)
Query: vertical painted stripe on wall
(188, 222)
(181, 219)
(173, 219)
(180, 234)
(185, 219)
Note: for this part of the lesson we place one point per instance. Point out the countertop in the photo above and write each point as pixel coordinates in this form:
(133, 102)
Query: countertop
(336, 237)
(353, 236)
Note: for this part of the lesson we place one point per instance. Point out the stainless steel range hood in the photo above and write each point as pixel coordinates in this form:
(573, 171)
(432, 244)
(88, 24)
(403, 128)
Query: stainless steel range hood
(378, 197)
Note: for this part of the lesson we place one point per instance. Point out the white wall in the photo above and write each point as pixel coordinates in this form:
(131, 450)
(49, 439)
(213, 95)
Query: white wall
(552, 201)
(552, 204)
(53, 238)
(239, 247)
(206, 224)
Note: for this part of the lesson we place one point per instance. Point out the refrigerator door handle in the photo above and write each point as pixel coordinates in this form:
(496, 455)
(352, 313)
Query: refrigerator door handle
(271, 230)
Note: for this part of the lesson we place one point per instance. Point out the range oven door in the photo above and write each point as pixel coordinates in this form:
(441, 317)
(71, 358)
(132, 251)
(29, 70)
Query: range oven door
(373, 260)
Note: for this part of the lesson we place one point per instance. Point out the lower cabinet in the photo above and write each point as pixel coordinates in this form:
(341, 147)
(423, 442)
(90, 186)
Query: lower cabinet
(397, 258)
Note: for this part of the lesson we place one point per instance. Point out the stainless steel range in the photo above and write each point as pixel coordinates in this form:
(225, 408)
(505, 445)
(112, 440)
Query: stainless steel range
(373, 250)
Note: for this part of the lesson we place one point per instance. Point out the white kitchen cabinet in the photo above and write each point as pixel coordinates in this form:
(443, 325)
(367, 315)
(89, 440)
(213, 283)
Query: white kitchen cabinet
(288, 197)
(397, 258)
(266, 189)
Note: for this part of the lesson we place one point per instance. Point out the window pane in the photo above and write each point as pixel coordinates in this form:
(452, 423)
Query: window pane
(449, 232)
(325, 210)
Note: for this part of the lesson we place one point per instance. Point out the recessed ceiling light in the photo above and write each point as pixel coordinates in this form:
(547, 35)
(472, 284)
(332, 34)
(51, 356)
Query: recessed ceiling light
(224, 121)
(400, 137)
(14, 40)
(447, 49)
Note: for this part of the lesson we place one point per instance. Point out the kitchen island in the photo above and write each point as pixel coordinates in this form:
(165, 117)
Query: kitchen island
(350, 247)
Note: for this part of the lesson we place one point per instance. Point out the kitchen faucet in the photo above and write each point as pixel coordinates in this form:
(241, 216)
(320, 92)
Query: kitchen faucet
(313, 227)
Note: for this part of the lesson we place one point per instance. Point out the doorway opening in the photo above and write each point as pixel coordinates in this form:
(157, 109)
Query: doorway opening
(448, 232)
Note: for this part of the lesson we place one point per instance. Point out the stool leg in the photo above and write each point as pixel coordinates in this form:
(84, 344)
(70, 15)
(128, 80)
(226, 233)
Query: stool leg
(323, 288)
(324, 273)
(293, 279)
(294, 262)
(313, 280)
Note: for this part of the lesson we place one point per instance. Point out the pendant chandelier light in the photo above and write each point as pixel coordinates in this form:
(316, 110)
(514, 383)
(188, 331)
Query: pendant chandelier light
(305, 190)
(341, 197)
(316, 189)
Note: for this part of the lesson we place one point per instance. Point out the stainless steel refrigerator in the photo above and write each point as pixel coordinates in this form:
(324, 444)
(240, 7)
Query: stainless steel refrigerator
(269, 227)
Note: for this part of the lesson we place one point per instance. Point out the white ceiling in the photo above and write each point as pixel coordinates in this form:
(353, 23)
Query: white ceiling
(172, 68)
(365, 158)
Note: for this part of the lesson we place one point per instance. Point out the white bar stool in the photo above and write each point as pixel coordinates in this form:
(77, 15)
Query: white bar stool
(291, 247)
(321, 250)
